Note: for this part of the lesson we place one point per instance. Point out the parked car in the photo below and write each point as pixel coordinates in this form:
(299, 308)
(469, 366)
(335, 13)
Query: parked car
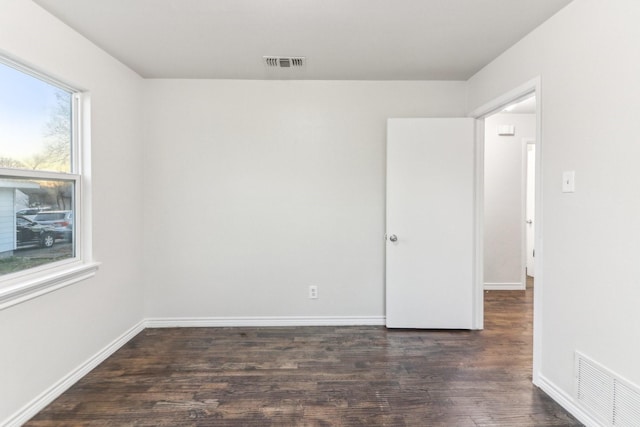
(30, 233)
(29, 213)
(62, 221)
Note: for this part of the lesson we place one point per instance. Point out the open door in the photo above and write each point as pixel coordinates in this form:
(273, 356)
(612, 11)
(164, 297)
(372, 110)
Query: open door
(430, 223)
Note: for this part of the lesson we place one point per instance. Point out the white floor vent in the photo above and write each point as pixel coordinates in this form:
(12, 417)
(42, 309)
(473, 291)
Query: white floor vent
(605, 395)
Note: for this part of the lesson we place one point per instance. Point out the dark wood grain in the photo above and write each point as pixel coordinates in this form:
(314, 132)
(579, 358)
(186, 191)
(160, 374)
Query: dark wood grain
(319, 376)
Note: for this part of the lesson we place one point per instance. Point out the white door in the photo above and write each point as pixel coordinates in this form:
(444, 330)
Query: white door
(531, 207)
(430, 223)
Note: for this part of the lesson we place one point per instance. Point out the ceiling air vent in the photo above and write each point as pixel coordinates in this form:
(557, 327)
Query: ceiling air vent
(284, 61)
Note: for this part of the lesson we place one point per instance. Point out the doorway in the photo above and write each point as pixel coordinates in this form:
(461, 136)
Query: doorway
(509, 196)
(497, 105)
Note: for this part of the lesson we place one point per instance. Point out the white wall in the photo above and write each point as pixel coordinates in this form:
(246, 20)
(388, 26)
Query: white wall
(503, 199)
(588, 61)
(257, 189)
(254, 190)
(46, 338)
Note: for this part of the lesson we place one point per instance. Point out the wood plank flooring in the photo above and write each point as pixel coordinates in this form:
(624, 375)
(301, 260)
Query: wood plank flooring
(319, 376)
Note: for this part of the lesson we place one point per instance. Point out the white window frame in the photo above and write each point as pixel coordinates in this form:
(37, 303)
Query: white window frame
(24, 285)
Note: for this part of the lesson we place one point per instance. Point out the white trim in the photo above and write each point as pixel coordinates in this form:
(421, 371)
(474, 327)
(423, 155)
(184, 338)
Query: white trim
(25, 290)
(262, 321)
(39, 175)
(566, 401)
(539, 288)
(478, 229)
(520, 92)
(35, 71)
(27, 284)
(505, 286)
(83, 219)
(523, 213)
(49, 395)
(517, 94)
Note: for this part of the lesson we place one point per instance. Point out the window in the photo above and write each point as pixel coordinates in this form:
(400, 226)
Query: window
(41, 244)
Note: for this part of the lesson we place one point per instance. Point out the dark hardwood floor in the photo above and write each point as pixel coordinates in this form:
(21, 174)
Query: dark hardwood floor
(319, 376)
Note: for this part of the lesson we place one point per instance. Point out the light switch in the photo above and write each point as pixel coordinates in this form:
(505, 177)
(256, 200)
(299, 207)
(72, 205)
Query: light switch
(568, 181)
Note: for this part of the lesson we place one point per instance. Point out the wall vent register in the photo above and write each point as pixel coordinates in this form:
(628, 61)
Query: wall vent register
(605, 395)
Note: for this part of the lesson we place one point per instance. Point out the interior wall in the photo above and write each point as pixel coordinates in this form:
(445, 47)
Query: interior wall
(255, 190)
(46, 338)
(503, 199)
(588, 62)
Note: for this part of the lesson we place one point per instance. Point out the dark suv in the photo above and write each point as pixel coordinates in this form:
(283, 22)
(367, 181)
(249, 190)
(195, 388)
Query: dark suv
(30, 233)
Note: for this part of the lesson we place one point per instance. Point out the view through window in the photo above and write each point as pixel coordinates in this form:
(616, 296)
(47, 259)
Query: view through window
(38, 180)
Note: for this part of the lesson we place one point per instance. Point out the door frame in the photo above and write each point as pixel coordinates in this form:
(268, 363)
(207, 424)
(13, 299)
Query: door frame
(526, 142)
(480, 113)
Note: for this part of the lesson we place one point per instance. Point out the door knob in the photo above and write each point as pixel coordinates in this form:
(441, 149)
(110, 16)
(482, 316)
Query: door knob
(529, 221)
(393, 238)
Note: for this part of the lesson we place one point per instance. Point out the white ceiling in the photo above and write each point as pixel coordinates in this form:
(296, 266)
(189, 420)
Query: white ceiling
(341, 39)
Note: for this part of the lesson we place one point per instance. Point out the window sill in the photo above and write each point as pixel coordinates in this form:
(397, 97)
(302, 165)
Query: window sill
(44, 282)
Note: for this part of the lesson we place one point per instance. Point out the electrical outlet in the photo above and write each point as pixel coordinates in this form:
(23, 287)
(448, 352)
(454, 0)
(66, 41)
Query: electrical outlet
(313, 292)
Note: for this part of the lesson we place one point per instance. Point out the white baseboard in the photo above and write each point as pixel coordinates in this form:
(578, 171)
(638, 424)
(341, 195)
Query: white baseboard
(45, 398)
(567, 402)
(261, 321)
(518, 286)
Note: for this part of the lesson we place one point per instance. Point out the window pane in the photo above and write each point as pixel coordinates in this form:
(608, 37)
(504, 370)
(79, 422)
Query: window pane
(35, 123)
(36, 222)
